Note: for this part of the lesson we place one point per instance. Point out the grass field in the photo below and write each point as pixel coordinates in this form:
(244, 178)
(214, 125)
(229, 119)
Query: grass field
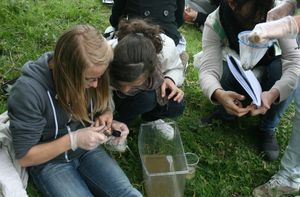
(229, 162)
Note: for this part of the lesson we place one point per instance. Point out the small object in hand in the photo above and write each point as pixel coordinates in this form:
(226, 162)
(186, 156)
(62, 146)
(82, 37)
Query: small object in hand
(116, 133)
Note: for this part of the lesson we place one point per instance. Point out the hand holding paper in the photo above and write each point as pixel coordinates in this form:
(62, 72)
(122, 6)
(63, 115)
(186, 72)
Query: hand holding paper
(231, 101)
(267, 98)
(246, 79)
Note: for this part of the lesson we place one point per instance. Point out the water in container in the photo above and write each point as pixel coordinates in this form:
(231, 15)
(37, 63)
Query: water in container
(163, 161)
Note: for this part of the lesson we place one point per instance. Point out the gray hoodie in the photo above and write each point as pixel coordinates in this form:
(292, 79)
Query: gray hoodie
(35, 116)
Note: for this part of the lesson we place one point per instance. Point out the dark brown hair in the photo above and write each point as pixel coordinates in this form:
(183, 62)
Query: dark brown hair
(136, 52)
(134, 55)
(142, 26)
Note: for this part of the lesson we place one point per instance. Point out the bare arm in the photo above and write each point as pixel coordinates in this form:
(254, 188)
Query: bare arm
(86, 138)
(42, 153)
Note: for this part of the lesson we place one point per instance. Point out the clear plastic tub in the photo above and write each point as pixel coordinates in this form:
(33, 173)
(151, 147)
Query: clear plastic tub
(163, 160)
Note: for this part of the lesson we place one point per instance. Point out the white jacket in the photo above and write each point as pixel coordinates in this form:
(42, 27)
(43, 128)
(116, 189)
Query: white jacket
(13, 177)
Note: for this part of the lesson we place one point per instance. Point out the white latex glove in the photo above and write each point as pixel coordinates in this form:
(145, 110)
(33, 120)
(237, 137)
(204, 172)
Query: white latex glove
(122, 128)
(287, 7)
(283, 28)
(88, 138)
(119, 143)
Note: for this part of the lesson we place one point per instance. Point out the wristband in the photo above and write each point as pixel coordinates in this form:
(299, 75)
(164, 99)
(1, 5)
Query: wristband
(73, 138)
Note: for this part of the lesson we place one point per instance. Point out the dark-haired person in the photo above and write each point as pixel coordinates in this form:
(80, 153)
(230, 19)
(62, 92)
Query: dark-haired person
(55, 128)
(147, 74)
(279, 76)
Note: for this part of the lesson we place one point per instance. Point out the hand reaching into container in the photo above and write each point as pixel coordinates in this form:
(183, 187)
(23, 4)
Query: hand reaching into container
(283, 28)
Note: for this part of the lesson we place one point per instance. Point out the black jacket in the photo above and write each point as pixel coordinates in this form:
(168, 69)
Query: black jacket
(166, 13)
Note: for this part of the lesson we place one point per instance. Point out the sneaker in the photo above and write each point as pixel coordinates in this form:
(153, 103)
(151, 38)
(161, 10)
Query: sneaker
(275, 187)
(269, 146)
(165, 129)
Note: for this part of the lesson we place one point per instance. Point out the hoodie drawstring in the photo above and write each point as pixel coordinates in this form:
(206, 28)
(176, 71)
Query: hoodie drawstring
(56, 123)
(54, 114)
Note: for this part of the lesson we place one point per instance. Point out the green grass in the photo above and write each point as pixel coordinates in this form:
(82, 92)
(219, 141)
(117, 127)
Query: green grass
(229, 163)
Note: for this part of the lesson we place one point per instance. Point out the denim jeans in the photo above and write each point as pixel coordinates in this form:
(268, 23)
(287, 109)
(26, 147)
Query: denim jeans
(95, 173)
(144, 103)
(271, 74)
(290, 162)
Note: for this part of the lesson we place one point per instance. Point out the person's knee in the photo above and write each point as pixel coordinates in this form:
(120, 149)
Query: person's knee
(175, 109)
(148, 99)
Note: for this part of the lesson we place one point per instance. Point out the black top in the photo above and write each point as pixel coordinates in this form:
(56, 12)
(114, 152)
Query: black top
(166, 13)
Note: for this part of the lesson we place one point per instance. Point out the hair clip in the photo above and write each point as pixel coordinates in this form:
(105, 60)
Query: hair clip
(139, 34)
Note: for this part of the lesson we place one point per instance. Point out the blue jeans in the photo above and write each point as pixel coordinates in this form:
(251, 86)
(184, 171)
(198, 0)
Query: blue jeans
(290, 162)
(144, 103)
(95, 173)
(271, 74)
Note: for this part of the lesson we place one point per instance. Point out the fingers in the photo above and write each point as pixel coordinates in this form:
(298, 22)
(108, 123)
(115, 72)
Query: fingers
(163, 89)
(96, 123)
(237, 111)
(105, 119)
(120, 127)
(254, 37)
(99, 128)
(108, 124)
(101, 138)
(236, 108)
(237, 96)
(177, 95)
(256, 111)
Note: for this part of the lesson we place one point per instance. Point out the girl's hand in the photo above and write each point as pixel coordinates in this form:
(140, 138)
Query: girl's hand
(105, 119)
(175, 92)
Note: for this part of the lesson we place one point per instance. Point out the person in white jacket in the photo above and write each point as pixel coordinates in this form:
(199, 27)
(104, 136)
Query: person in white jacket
(146, 73)
(287, 180)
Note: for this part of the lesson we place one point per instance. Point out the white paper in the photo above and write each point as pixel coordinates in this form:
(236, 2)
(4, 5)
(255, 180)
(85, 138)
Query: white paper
(247, 80)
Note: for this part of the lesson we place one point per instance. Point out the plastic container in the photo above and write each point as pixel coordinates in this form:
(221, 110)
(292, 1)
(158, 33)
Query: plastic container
(163, 161)
(251, 53)
(192, 161)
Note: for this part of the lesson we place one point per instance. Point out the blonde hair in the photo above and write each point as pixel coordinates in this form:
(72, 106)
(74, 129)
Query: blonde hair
(76, 50)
